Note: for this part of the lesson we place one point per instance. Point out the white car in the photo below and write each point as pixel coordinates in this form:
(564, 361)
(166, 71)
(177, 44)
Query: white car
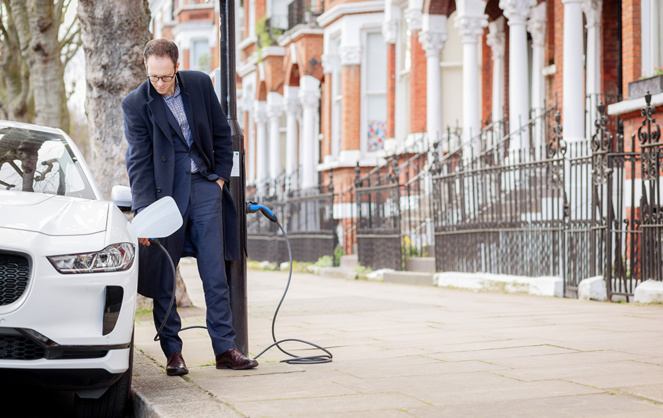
(68, 271)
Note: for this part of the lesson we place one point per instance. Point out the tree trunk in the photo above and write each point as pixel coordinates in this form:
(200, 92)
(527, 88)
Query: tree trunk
(114, 34)
(15, 76)
(37, 25)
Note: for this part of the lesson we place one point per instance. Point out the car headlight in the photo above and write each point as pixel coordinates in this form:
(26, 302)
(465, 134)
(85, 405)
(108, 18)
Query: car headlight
(115, 257)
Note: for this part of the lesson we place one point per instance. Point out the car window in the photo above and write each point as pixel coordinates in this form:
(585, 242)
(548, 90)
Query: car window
(41, 162)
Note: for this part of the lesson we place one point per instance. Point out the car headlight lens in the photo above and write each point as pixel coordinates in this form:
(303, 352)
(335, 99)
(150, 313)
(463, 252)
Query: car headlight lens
(115, 257)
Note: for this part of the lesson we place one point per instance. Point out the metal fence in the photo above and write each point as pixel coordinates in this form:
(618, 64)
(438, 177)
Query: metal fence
(501, 212)
(306, 215)
(523, 203)
(379, 218)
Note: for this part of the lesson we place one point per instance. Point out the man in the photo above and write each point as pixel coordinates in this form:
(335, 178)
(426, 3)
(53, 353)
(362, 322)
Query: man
(180, 146)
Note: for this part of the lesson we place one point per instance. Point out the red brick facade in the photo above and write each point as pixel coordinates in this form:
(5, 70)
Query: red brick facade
(631, 48)
(350, 107)
(486, 81)
(417, 85)
(325, 117)
(391, 90)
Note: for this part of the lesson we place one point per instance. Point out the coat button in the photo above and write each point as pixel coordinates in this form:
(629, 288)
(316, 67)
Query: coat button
(163, 159)
(158, 190)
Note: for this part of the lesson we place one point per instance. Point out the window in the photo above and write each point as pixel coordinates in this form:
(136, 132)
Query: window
(652, 37)
(375, 92)
(279, 14)
(201, 57)
(40, 162)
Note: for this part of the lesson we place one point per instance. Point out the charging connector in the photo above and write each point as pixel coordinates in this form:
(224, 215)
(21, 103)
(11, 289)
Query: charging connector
(253, 207)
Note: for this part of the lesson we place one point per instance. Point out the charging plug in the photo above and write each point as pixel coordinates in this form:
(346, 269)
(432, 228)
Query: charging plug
(253, 207)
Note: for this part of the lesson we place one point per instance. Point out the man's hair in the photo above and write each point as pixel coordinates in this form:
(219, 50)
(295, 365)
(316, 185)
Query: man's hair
(161, 48)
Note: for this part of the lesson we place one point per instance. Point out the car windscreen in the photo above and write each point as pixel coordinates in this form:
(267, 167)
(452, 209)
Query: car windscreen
(41, 162)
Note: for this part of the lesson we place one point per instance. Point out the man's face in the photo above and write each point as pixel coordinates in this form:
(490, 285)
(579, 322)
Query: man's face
(162, 67)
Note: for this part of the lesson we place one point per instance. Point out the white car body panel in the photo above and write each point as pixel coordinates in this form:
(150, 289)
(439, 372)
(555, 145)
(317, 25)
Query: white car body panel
(68, 309)
(52, 215)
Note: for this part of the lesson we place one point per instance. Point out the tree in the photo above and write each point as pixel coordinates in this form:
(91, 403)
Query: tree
(36, 46)
(37, 24)
(114, 35)
(15, 75)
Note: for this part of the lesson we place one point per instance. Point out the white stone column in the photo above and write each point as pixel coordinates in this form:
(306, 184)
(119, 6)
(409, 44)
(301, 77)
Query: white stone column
(536, 25)
(496, 40)
(260, 112)
(592, 10)
(274, 111)
(517, 11)
(413, 14)
(432, 38)
(573, 91)
(292, 109)
(309, 95)
(470, 22)
(390, 22)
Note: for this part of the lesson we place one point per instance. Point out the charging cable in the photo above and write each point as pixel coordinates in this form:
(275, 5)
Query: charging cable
(253, 207)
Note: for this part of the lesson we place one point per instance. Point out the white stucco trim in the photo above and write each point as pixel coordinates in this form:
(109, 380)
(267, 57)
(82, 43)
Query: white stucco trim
(203, 6)
(634, 105)
(246, 42)
(248, 67)
(276, 51)
(349, 8)
(298, 31)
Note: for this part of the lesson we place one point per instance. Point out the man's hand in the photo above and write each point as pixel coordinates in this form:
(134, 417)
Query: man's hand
(144, 241)
(221, 183)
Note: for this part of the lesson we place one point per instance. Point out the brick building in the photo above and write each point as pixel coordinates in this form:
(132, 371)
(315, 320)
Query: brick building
(336, 84)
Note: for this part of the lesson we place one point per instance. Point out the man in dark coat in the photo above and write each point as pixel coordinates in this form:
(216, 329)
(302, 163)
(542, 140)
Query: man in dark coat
(180, 146)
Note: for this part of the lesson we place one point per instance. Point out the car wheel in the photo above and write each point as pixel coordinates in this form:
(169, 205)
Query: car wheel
(113, 403)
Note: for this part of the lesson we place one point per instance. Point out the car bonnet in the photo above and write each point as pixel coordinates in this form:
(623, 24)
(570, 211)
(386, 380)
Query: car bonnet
(52, 215)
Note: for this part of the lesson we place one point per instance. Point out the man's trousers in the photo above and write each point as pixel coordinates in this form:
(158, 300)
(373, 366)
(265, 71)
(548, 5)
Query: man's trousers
(200, 236)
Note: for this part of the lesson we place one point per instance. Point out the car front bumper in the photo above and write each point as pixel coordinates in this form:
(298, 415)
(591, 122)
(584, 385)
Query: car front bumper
(70, 316)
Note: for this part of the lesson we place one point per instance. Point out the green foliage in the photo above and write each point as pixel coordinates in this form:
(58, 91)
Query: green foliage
(338, 252)
(325, 261)
(261, 265)
(300, 267)
(362, 269)
(266, 35)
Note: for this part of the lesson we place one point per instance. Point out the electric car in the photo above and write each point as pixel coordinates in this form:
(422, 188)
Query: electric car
(68, 272)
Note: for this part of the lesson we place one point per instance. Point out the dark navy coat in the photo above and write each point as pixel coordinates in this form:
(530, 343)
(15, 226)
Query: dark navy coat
(150, 156)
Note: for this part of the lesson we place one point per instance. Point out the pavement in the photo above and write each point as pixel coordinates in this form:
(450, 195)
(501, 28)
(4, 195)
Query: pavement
(412, 351)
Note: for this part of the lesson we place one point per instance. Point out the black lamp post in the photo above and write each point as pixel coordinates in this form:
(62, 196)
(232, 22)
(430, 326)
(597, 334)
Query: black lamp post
(237, 269)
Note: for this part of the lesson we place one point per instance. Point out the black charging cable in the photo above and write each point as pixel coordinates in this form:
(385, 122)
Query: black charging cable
(252, 207)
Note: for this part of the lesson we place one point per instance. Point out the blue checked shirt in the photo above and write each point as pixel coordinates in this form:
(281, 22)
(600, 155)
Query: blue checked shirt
(176, 106)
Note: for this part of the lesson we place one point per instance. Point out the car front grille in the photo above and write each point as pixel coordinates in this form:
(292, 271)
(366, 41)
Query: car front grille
(14, 277)
(14, 347)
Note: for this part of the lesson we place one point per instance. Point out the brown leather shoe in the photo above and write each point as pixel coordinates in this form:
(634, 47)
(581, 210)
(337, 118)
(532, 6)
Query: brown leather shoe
(233, 359)
(176, 365)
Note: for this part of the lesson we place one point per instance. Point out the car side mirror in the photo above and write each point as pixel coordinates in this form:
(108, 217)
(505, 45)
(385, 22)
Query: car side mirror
(161, 219)
(121, 196)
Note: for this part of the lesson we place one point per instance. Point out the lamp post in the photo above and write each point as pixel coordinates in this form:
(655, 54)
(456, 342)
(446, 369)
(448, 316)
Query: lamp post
(236, 269)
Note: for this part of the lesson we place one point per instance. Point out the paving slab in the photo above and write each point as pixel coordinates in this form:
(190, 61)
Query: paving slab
(403, 351)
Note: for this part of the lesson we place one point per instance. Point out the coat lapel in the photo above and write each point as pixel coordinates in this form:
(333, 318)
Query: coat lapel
(186, 100)
(175, 124)
(159, 111)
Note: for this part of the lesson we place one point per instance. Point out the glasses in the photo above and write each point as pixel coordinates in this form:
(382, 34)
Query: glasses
(165, 78)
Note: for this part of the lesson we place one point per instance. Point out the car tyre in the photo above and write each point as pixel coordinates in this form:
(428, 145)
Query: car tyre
(114, 402)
